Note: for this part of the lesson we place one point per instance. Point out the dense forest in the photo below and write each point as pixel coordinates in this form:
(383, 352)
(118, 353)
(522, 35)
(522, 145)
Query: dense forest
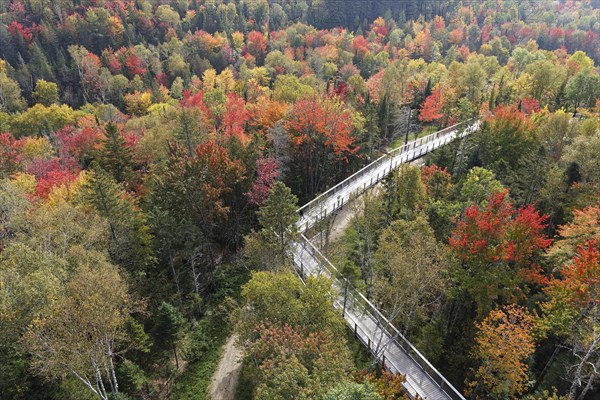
(153, 155)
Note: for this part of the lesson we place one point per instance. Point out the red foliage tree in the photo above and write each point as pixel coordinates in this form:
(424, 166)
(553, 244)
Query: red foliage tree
(79, 144)
(256, 44)
(438, 182)
(135, 65)
(530, 105)
(10, 150)
(268, 172)
(499, 248)
(431, 109)
(581, 278)
(54, 179)
(235, 118)
(360, 45)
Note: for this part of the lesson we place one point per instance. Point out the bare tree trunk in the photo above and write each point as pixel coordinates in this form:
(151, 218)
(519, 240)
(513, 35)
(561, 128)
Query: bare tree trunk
(113, 375)
(590, 381)
(176, 357)
(578, 376)
(87, 383)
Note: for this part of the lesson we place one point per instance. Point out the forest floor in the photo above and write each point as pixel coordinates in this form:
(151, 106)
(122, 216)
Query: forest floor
(341, 222)
(227, 375)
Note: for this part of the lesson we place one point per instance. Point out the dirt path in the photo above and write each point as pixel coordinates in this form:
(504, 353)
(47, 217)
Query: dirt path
(341, 222)
(225, 379)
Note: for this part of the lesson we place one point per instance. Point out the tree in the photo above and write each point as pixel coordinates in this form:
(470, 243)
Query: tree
(437, 181)
(278, 218)
(321, 134)
(505, 140)
(411, 273)
(431, 109)
(130, 237)
(45, 92)
(280, 298)
(479, 185)
(257, 45)
(353, 391)
(499, 250)
(295, 365)
(289, 89)
(9, 154)
(115, 156)
(572, 313)
(83, 332)
(404, 193)
(584, 226)
(504, 342)
(10, 95)
(187, 205)
(472, 80)
(169, 328)
(235, 118)
(583, 152)
(267, 173)
(388, 385)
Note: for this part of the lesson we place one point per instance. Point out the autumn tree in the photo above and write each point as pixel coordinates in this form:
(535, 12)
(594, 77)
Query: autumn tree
(321, 135)
(291, 332)
(505, 140)
(295, 365)
(584, 226)
(388, 385)
(353, 390)
(431, 109)
(499, 249)
(45, 92)
(235, 118)
(257, 45)
(504, 342)
(186, 206)
(572, 313)
(267, 172)
(83, 332)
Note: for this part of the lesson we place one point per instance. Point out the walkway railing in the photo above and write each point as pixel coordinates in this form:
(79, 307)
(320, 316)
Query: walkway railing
(355, 305)
(358, 311)
(320, 206)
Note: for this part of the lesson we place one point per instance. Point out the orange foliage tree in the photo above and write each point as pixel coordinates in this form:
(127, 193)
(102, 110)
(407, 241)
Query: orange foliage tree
(321, 134)
(504, 342)
(431, 110)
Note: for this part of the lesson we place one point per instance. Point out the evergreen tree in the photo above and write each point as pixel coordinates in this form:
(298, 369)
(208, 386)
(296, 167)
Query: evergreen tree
(130, 238)
(169, 328)
(115, 156)
(270, 247)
